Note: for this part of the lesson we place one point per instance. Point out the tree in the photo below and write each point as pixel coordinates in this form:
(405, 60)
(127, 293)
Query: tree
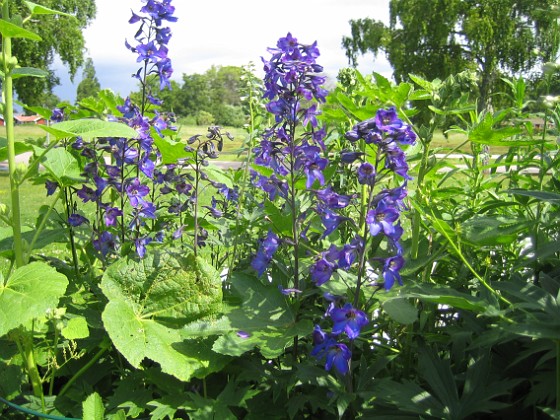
(61, 35)
(437, 38)
(89, 86)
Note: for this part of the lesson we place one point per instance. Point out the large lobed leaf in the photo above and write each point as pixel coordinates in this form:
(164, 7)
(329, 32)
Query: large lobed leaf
(149, 299)
(265, 316)
(28, 293)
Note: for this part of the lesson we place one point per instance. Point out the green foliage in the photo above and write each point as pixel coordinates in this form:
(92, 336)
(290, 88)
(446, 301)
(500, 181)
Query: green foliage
(28, 293)
(438, 39)
(59, 34)
(150, 299)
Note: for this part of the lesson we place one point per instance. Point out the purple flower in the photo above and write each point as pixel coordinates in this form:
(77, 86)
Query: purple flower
(136, 191)
(268, 247)
(381, 219)
(57, 115)
(366, 174)
(111, 214)
(388, 121)
(391, 270)
(76, 220)
(333, 200)
(330, 219)
(348, 320)
(336, 354)
(140, 244)
(322, 271)
(51, 187)
(104, 243)
(87, 194)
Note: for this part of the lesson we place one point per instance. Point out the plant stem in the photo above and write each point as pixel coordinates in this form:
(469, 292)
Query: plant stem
(104, 346)
(8, 97)
(30, 364)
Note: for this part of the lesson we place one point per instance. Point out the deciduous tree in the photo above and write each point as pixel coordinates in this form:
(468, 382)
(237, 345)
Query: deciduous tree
(61, 36)
(436, 38)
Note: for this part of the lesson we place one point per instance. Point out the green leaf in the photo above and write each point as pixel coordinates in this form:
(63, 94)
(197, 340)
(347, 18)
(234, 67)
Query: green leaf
(28, 293)
(539, 195)
(62, 165)
(150, 299)
(19, 146)
(10, 30)
(442, 295)
(171, 152)
(90, 128)
(37, 9)
(485, 133)
(28, 72)
(76, 328)
(93, 408)
(265, 315)
(491, 231)
(401, 311)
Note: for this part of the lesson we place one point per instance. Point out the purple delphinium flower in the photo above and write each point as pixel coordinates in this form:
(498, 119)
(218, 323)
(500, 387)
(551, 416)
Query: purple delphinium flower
(336, 354)
(267, 248)
(321, 271)
(391, 273)
(111, 215)
(104, 243)
(348, 320)
(76, 220)
(366, 174)
(333, 200)
(382, 218)
(51, 187)
(136, 192)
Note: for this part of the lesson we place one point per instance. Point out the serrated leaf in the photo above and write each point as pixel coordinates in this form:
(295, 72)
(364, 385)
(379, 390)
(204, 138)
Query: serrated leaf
(149, 299)
(401, 311)
(28, 293)
(10, 30)
(90, 128)
(28, 72)
(93, 408)
(62, 165)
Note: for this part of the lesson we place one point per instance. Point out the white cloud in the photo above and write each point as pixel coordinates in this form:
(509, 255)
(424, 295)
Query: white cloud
(225, 32)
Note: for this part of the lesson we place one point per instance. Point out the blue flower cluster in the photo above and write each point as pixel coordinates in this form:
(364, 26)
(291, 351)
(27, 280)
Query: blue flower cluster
(383, 135)
(293, 86)
(152, 40)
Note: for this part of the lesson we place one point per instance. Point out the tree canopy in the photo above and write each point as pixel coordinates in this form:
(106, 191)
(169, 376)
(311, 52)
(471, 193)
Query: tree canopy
(61, 36)
(437, 38)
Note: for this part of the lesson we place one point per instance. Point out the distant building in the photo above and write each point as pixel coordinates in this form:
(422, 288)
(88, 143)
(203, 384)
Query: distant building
(30, 119)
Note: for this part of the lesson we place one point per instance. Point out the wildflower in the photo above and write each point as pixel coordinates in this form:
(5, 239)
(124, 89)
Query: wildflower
(366, 174)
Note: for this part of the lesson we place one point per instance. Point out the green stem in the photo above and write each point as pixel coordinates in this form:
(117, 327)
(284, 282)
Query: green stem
(104, 346)
(30, 363)
(416, 217)
(8, 97)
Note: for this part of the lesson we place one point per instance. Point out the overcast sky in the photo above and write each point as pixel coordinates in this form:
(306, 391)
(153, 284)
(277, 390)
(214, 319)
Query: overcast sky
(224, 32)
